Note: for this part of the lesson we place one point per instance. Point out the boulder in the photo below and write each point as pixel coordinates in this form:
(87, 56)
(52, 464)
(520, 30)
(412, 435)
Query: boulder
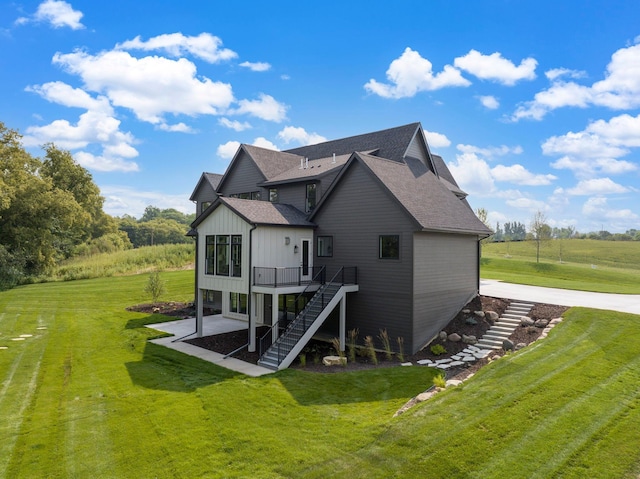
(471, 320)
(520, 346)
(334, 361)
(454, 382)
(541, 323)
(454, 337)
(507, 345)
(526, 321)
(443, 335)
(469, 339)
(466, 311)
(479, 314)
(492, 315)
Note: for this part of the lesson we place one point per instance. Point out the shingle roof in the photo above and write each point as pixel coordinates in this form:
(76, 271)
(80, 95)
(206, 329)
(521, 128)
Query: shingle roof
(272, 163)
(392, 144)
(212, 179)
(311, 169)
(266, 213)
(433, 206)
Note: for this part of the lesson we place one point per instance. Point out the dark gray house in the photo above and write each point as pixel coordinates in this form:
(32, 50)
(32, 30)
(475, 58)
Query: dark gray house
(368, 232)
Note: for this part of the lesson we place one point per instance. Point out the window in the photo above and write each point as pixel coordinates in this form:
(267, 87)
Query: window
(210, 254)
(253, 195)
(311, 197)
(273, 195)
(325, 246)
(204, 205)
(238, 303)
(389, 247)
(236, 256)
(222, 255)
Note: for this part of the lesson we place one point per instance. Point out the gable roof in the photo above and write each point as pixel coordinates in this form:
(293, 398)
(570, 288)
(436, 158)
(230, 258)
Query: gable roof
(391, 144)
(310, 169)
(259, 212)
(210, 179)
(420, 193)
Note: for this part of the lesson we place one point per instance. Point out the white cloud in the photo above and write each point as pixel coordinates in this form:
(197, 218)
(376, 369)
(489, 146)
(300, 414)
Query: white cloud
(256, 66)
(597, 148)
(177, 127)
(97, 125)
(436, 140)
(519, 175)
(410, 73)
(265, 108)
(300, 136)
(121, 200)
(491, 151)
(104, 163)
(472, 174)
(529, 204)
(58, 14)
(228, 149)
(489, 102)
(597, 209)
(204, 46)
(620, 89)
(597, 186)
(264, 143)
(234, 124)
(496, 68)
(556, 73)
(151, 86)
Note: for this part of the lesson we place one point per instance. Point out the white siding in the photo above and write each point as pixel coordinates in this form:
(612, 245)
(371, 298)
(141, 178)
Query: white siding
(270, 248)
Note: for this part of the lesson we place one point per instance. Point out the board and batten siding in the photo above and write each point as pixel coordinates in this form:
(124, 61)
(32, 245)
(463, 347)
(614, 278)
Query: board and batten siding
(358, 211)
(445, 278)
(270, 249)
(243, 177)
(223, 221)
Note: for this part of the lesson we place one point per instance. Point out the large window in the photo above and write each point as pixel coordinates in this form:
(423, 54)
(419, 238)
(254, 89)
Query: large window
(252, 195)
(311, 197)
(238, 303)
(236, 256)
(210, 254)
(222, 255)
(389, 247)
(325, 246)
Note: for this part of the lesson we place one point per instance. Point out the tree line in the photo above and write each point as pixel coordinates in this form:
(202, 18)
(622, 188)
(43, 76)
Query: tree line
(51, 210)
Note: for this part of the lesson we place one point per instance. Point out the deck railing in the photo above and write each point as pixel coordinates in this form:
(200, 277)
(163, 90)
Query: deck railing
(292, 276)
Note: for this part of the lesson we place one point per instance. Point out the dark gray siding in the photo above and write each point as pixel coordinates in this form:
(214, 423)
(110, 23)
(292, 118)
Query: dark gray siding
(358, 211)
(445, 279)
(292, 194)
(205, 193)
(417, 150)
(243, 177)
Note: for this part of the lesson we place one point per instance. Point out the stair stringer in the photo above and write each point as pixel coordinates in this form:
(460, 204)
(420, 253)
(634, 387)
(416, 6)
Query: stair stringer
(306, 337)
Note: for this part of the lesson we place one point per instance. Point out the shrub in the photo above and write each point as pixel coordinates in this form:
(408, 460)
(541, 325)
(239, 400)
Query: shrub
(386, 344)
(440, 381)
(401, 348)
(155, 287)
(303, 360)
(438, 349)
(351, 344)
(371, 351)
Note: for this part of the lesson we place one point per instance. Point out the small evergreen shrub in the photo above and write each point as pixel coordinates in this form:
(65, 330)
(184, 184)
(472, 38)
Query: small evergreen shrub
(438, 349)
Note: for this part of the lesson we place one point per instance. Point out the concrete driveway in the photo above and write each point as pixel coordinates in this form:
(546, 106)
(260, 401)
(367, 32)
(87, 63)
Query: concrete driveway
(626, 303)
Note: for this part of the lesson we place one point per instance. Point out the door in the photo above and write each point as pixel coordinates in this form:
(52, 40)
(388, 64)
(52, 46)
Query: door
(306, 261)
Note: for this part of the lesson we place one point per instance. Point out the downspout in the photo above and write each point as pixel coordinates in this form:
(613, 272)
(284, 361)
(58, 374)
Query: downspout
(478, 265)
(252, 330)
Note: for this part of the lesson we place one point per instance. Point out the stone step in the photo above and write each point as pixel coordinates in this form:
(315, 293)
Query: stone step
(522, 305)
(512, 316)
(490, 344)
(496, 337)
(502, 328)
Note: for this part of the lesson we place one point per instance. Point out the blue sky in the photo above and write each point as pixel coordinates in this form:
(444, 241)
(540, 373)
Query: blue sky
(535, 106)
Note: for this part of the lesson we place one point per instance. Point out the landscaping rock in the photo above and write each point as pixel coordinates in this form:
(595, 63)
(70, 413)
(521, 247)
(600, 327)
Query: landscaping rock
(492, 315)
(479, 314)
(526, 321)
(454, 382)
(541, 323)
(466, 311)
(471, 321)
(470, 339)
(454, 337)
(334, 361)
(520, 346)
(443, 335)
(507, 345)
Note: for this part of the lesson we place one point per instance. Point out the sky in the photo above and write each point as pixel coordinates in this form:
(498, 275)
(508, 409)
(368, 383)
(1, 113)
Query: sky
(534, 106)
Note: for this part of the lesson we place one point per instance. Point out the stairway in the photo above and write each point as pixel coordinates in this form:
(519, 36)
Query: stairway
(504, 326)
(291, 342)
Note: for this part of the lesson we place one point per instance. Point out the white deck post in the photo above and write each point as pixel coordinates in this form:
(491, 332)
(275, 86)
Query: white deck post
(199, 314)
(274, 317)
(343, 320)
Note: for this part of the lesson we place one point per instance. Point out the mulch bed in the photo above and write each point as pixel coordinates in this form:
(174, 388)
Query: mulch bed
(316, 350)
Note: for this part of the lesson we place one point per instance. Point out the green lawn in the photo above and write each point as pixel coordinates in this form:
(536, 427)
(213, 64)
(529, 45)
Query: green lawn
(587, 265)
(89, 397)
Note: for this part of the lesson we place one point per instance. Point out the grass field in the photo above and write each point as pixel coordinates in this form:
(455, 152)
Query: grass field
(587, 265)
(89, 397)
